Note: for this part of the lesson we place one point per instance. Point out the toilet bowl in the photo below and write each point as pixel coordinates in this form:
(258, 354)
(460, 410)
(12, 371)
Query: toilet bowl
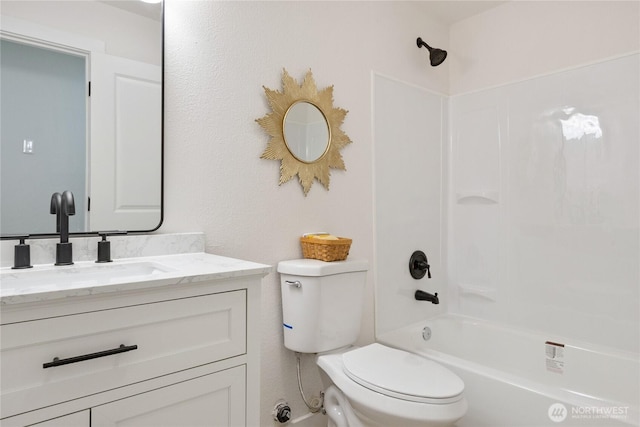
(380, 386)
(368, 386)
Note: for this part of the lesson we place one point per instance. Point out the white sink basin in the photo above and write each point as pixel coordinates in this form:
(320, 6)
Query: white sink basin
(80, 274)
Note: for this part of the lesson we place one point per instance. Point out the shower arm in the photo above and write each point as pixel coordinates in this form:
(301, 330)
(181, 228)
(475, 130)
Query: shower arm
(421, 43)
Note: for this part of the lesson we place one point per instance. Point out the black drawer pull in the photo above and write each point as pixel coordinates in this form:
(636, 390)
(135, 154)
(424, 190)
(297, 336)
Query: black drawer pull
(59, 362)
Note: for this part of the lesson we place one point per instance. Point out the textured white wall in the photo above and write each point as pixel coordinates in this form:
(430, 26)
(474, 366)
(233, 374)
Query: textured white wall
(218, 57)
(522, 39)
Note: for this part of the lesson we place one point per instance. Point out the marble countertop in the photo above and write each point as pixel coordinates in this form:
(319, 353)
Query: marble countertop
(49, 282)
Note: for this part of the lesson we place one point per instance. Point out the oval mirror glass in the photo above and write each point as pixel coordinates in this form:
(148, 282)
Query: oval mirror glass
(306, 131)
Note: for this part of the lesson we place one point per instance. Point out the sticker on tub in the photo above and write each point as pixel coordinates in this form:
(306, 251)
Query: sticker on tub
(554, 356)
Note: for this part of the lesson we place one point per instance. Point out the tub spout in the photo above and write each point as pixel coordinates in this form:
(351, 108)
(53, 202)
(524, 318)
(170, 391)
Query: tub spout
(426, 296)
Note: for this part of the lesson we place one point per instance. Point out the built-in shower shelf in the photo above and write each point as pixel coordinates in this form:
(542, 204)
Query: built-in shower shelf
(481, 197)
(478, 291)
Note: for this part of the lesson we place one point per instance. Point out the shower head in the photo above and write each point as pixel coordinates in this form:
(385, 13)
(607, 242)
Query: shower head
(436, 56)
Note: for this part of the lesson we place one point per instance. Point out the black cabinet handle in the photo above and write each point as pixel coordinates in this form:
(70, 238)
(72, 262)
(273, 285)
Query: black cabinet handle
(59, 362)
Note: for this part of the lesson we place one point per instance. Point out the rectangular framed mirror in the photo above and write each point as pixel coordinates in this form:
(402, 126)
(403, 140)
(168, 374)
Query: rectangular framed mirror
(81, 86)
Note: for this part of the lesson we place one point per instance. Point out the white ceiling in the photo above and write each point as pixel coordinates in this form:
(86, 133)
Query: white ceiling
(451, 11)
(445, 11)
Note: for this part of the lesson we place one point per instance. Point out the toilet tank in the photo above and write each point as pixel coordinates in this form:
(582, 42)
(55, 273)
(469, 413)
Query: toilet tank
(321, 303)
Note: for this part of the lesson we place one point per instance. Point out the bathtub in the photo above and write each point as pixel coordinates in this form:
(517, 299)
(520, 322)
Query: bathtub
(519, 378)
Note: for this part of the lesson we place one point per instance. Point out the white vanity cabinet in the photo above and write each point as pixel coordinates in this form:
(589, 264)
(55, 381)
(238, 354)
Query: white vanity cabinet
(212, 400)
(170, 355)
(216, 399)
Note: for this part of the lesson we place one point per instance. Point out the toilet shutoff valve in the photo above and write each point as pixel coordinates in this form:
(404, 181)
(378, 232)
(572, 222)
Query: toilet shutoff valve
(282, 412)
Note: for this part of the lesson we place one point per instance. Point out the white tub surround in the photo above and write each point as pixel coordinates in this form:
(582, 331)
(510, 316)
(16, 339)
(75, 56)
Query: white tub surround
(513, 376)
(409, 203)
(544, 204)
(168, 339)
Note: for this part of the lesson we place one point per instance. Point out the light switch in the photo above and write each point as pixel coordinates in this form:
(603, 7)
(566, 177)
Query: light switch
(27, 146)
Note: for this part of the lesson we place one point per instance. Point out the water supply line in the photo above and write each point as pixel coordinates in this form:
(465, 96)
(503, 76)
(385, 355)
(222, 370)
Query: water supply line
(319, 402)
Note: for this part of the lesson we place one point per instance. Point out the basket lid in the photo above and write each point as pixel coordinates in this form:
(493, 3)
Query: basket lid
(314, 267)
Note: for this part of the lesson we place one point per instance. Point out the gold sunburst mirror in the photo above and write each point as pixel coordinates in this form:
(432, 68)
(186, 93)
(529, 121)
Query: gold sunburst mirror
(304, 127)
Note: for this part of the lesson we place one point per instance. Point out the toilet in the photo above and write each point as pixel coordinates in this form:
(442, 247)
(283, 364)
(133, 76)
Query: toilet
(368, 386)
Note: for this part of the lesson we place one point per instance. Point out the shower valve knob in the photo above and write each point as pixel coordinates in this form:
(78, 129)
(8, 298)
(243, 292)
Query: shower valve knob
(282, 412)
(419, 265)
(423, 265)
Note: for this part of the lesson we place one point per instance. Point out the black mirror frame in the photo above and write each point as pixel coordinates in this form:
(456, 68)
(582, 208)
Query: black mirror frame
(120, 232)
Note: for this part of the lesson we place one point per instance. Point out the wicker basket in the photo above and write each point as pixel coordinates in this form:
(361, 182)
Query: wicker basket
(325, 250)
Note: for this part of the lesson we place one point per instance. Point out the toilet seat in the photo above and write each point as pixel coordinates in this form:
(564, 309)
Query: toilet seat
(384, 408)
(402, 375)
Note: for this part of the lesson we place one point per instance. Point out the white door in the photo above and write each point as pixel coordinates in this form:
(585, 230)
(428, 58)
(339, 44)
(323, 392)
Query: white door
(126, 132)
(209, 401)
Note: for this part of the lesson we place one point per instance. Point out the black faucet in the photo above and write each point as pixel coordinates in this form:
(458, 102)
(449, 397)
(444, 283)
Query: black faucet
(426, 296)
(63, 205)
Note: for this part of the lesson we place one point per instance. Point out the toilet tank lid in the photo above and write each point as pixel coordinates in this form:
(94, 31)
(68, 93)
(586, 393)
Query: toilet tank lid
(314, 267)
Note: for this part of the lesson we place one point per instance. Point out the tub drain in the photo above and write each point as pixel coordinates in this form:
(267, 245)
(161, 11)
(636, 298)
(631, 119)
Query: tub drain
(426, 333)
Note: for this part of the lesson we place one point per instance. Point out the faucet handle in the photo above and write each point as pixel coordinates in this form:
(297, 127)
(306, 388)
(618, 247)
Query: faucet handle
(104, 246)
(424, 265)
(104, 249)
(21, 254)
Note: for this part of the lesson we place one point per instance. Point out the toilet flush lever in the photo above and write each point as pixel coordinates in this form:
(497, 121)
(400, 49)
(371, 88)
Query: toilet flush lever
(295, 283)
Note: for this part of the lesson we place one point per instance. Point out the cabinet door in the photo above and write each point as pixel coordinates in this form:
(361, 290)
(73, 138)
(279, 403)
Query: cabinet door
(216, 399)
(78, 419)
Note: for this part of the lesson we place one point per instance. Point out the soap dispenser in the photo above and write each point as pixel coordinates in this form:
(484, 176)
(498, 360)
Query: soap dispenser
(104, 249)
(22, 255)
